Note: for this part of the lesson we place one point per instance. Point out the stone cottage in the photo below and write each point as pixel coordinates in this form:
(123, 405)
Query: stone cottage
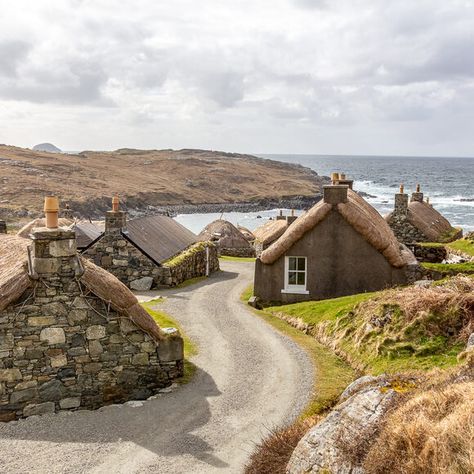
(272, 230)
(228, 239)
(150, 251)
(72, 336)
(341, 246)
(419, 221)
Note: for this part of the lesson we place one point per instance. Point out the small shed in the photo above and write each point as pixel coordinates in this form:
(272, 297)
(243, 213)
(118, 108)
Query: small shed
(341, 246)
(67, 326)
(419, 221)
(229, 240)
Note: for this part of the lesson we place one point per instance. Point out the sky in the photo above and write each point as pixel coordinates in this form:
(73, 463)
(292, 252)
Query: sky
(381, 77)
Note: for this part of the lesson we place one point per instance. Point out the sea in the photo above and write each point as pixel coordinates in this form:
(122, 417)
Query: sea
(448, 181)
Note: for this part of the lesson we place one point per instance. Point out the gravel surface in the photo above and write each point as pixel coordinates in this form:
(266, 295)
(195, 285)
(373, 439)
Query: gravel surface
(249, 379)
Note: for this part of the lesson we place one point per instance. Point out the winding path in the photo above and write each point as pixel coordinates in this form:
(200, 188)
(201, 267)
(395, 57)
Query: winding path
(249, 379)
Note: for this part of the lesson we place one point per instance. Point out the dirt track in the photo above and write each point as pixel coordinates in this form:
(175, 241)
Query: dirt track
(249, 379)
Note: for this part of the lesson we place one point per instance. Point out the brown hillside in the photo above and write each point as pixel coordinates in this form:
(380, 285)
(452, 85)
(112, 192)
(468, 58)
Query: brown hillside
(154, 177)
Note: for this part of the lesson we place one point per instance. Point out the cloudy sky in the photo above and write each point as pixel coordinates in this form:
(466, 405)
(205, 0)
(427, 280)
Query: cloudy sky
(261, 76)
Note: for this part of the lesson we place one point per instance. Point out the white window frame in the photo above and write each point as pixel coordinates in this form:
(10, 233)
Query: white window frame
(295, 289)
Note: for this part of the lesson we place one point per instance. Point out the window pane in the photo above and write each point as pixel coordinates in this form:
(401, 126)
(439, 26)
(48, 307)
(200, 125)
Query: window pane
(292, 278)
(301, 264)
(292, 263)
(301, 278)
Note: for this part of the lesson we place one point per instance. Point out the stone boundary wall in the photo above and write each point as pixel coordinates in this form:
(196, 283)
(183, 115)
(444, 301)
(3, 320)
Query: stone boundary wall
(191, 263)
(429, 253)
(237, 252)
(62, 348)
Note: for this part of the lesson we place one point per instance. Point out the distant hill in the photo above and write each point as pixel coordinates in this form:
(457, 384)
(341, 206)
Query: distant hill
(48, 147)
(146, 179)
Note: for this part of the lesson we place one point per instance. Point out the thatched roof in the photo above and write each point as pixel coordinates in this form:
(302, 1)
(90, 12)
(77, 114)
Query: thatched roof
(270, 231)
(14, 281)
(359, 214)
(26, 230)
(225, 234)
(428, 220)
(247, 233)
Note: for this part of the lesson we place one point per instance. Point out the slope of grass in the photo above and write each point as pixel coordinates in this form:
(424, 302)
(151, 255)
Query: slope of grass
(463, 245)
(393, 330)
(164, 320)
(450, 268)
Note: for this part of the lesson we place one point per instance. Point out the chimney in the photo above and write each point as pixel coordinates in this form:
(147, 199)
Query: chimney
(401, 202)
(67, 212)
(417, 195)
(335, 193)
(3, 227)
(280, 216)
(334, 178)
(343, 180)
(53, 252)
(115, 220)
(292, 218)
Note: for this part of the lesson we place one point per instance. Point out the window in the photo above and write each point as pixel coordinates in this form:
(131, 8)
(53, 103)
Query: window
(295, 275)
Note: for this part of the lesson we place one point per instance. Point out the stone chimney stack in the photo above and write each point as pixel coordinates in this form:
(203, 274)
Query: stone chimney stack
(401, 202)
(115, 220)
(53, 252)
(292, 218)
(3, 227)
(343, 180)
(280, 216)
(417, 195)
(335, 193)
(67, 213)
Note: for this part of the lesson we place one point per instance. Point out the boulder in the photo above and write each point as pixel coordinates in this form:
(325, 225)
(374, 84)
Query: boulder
(142, 284)
(326, 446)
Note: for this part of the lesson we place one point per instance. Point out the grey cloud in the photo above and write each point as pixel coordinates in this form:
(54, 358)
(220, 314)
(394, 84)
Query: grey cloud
(12, 53)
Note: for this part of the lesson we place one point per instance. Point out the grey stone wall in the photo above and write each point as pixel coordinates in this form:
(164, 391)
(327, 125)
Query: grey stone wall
(404, 231)
(430, 254)
(116, 254)
(237, 252)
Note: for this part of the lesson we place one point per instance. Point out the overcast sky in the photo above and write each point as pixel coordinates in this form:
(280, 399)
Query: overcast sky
(259, 76)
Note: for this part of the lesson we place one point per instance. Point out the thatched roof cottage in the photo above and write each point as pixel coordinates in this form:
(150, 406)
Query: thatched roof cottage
(72, 335)
(341, 246)
(419, 221)
(272, 230)
(150, 251)
(247, 233)
(228, 238)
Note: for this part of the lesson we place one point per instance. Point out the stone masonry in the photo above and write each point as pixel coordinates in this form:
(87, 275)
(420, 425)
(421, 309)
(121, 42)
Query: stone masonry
(115, 253)
(62, 347)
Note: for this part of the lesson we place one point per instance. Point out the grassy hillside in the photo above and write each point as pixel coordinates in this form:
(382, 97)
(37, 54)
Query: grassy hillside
(145, 177)
(394, 330)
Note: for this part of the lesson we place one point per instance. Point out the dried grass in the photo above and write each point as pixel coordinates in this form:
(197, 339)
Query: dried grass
(230, 236)
(270, 231)
(272, 455)
(433, 432)
(26, 230)
(428, 220)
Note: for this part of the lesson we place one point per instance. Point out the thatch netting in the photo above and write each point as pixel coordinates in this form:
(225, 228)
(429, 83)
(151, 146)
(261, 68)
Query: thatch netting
(270, 231)
(26, 230)
(225, 233)
(247, 233)
(428, 220)
(359, 214)
(295, 232)
(14, 279)
(373, 227)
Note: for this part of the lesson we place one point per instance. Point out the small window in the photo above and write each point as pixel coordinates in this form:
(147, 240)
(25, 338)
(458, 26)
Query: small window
(295, 275)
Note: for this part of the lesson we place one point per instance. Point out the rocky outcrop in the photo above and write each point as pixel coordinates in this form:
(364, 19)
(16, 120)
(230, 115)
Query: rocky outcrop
(49, 147)
(333, 444)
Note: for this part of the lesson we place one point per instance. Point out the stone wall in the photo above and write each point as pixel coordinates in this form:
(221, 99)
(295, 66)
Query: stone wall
(62, 347)
(116, 254)
(429, 253)
(237, 252)
(404, 231)
(192, 263)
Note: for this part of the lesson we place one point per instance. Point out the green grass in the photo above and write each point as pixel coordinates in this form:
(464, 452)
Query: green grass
(463, 245)
(331, 374)
(237, 259)
(164, 320)
(191, 281)
(446, 269)
(180, 258)
(394, 346)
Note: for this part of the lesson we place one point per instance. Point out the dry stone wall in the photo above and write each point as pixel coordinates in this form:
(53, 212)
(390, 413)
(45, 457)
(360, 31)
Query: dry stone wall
(63, 348)
(404, 231)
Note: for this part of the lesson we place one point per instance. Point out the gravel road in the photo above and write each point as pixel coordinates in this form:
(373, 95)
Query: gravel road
(249, 379)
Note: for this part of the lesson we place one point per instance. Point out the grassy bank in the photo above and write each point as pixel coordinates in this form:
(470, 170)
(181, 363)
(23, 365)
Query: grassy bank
(237, 259)
(448, 269)
(164, 320)
(462, 245)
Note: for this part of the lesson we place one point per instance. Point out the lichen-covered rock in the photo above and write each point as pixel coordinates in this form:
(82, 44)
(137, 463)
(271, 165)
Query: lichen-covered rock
(326, 446)
(142, 284)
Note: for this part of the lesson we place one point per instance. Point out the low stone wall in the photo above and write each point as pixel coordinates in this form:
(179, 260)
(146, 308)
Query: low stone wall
(191, 263)
(62, 348)
(429, 253)
(245, 252)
